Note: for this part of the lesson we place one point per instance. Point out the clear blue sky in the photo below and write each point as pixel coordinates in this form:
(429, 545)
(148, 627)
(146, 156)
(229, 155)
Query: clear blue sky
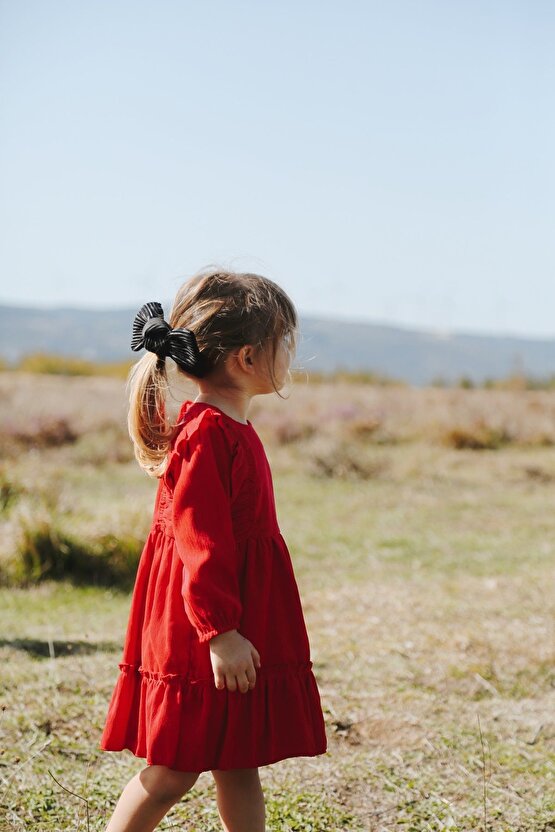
(383, 161)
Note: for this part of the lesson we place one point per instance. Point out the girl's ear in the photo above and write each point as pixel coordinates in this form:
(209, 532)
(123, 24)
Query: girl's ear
(245, 355)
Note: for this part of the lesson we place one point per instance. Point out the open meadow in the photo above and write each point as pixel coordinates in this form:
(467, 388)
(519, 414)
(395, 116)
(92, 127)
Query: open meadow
(421, 523)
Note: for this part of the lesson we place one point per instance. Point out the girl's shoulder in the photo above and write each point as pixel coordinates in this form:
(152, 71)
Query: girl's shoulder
(204, 422)
(204, 425)
(214, 435)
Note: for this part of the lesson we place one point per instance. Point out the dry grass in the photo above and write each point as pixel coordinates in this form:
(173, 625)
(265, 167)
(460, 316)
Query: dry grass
(375, 414)
(427, 579)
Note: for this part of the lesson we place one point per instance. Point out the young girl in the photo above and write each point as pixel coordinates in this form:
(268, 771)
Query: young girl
(216, 673)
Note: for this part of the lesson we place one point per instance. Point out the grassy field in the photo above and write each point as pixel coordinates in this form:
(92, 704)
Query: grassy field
(426, 569)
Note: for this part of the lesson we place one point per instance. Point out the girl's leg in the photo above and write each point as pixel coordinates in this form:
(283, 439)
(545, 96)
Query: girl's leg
(240, 799)
(148, 796)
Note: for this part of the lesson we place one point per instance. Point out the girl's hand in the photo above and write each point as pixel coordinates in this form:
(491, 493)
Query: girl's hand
(232, 658)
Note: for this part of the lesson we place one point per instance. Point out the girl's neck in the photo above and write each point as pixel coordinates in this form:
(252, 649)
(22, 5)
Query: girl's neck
(236, 409)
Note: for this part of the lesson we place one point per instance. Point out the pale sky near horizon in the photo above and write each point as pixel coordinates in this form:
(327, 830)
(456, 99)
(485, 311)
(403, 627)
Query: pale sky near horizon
(389, 162)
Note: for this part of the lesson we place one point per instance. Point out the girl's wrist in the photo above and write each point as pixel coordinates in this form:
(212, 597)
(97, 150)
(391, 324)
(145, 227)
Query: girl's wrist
(219, 635)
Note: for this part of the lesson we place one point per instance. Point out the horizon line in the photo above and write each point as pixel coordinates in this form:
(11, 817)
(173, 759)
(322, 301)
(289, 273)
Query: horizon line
(440, 333)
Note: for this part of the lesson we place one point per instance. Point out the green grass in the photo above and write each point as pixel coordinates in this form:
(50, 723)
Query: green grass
(428, 596)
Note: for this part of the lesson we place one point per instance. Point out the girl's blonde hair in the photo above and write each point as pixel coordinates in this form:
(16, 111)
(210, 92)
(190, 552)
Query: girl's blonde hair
(225, 310)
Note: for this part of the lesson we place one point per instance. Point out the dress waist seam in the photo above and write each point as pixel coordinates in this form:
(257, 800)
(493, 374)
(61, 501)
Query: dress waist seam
(160, 526)
(299, 668)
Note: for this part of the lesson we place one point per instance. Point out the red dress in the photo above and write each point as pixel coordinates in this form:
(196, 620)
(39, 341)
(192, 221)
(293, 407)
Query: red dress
(214, 560)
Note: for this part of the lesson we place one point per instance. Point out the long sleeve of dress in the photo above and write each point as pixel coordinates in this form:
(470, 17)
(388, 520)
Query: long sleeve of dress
(201, 516)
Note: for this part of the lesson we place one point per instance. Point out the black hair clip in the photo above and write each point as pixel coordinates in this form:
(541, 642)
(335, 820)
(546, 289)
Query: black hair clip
(153, 333)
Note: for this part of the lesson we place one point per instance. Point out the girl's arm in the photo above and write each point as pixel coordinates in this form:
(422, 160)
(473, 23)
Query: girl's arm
(201, 513)
(201, 475)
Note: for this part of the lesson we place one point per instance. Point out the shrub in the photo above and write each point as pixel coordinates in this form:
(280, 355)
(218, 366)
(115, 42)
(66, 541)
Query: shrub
(44, 551)
(55, 365)
(342, 460)
(64, 365)
(9, 491)
(368, 429)
(41, 432)
(285, 433)
(478, 436)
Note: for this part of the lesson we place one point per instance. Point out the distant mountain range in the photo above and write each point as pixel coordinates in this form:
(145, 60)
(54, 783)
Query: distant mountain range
(415, 356)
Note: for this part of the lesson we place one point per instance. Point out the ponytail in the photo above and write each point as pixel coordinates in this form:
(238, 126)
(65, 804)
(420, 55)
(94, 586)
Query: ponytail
(147, 387)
